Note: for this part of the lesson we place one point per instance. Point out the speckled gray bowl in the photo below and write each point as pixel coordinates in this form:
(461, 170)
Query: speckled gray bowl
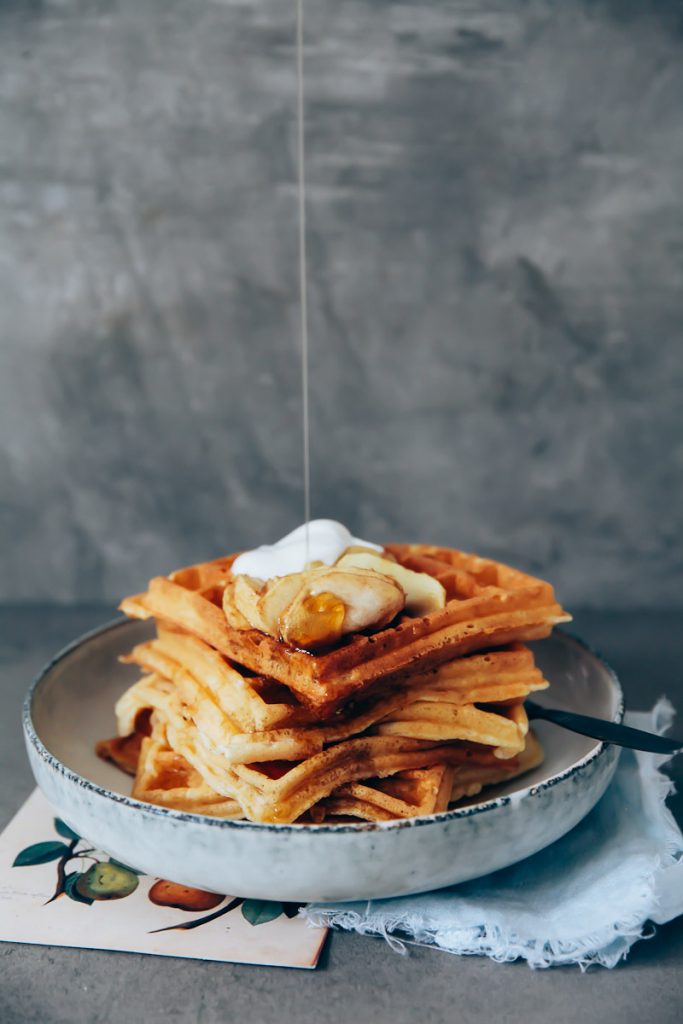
(70, 706)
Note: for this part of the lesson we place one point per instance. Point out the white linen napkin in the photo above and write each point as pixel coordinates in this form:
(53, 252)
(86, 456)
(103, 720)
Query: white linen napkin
(584, 900)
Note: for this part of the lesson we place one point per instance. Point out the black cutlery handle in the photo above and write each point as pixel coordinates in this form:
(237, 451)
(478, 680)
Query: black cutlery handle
(609, 732)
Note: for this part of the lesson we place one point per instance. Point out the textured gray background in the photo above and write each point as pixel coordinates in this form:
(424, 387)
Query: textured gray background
(496, 243)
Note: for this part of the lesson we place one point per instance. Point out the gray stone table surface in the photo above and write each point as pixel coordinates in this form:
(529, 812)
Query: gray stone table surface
(495, 284)
(359, 979)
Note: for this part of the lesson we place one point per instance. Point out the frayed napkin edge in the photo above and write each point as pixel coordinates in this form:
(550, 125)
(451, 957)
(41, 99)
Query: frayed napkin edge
(605, 947)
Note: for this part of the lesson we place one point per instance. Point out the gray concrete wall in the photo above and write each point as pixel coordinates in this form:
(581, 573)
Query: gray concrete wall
(496, 248)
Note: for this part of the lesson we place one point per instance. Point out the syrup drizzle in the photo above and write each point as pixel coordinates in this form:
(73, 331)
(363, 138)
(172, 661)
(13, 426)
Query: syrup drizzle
(303, 291)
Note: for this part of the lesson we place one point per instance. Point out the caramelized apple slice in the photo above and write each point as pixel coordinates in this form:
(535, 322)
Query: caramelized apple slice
(315, 615)
(247, 597)
(424, 594)
(233, 615)
(317, 607)
(276, 597)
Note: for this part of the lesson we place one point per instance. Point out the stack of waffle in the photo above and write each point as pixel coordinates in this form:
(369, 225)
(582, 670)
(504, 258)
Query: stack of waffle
(229, 721)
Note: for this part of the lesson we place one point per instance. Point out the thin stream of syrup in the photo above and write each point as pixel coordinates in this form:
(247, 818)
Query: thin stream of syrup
(303, 291)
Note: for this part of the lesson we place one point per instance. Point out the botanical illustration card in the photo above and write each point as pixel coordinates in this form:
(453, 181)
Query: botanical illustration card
(56, 890)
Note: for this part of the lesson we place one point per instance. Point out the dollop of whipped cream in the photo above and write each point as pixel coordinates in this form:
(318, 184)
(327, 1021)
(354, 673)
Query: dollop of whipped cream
(327, 540)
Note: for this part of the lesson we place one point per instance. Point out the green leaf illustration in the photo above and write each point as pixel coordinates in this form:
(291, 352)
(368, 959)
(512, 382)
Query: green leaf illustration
(40, 853)
(126, 867)
(72, 892)
(261, 911)
(64, 830)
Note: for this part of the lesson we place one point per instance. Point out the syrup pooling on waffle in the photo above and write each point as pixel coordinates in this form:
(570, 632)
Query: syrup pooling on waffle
(380, 683)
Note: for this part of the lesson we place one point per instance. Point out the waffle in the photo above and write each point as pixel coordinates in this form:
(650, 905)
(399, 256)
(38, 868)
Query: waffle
(422, 791)
(251, 702)
(488, 604)
(176, 772)
(282, 791)
(401, 720)
(225, 706)
(468, 713)
(165, 778)
(404, 795)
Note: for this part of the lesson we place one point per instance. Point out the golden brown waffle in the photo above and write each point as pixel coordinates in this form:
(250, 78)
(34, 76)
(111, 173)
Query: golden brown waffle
(488, 604)
(123, 751)
(165, 778)
(503, 729)
(404, 795)
(280, 774)
(374, 777)
(437, 706)
(281, 791)
(251, 702)
(395, 723)
(422, 791)
(162, 776)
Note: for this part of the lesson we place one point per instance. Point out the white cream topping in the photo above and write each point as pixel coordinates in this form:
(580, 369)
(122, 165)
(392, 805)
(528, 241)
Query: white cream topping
(327, 540)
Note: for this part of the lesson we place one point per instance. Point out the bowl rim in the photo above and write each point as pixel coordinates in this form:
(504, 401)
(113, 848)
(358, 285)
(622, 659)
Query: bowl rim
(54, 764)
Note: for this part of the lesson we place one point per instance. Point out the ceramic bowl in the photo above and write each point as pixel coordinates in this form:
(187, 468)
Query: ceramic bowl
(70, 706)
